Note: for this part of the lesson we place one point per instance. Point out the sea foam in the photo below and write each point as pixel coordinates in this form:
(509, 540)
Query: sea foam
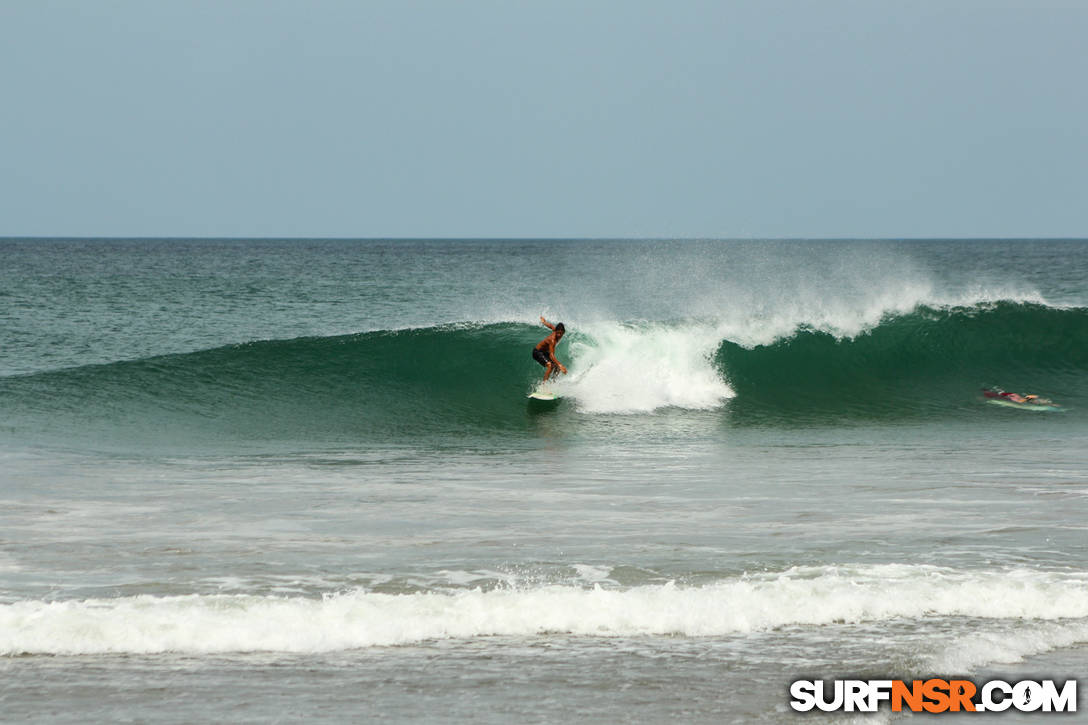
(810, 596)
(626, 368)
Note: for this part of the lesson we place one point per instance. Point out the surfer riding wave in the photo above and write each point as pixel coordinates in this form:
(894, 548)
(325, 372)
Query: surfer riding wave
(544, 352)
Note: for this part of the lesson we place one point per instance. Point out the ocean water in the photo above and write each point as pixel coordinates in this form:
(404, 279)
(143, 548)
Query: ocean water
(271, 480)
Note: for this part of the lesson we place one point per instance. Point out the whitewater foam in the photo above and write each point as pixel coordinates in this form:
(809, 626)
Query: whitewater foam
(626, 368)
(809, 596)
(979, 648)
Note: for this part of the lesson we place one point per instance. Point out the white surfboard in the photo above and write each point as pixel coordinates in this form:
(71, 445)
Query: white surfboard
(1037, 407)
(543, 396)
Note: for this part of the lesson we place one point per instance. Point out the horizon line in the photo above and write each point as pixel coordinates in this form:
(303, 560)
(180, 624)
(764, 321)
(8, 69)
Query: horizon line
(58, 238)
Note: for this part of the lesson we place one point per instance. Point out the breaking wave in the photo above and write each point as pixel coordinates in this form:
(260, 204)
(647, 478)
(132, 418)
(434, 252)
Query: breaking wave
(930, 361)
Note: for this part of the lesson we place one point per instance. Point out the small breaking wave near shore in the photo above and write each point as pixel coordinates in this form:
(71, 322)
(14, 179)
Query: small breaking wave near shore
(803, 597)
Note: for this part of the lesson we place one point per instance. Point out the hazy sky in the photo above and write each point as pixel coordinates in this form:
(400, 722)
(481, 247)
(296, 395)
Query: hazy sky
(677, 118)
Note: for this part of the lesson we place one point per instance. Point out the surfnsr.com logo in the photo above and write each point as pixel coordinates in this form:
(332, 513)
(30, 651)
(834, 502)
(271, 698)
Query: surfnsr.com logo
(933, 695)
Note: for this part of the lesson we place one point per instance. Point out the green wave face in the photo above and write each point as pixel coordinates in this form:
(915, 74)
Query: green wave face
(453, 381)
(379, 385)
(929, 363)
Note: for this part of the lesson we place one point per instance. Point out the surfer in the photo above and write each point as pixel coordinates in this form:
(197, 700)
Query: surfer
(544, 352)
(1017, 397)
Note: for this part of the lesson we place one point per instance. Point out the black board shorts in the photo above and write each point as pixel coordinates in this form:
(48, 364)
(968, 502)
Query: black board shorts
(541, 357)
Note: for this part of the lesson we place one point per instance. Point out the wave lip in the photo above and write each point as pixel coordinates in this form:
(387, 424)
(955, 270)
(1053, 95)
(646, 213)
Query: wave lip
(810, 596)
(929, 362)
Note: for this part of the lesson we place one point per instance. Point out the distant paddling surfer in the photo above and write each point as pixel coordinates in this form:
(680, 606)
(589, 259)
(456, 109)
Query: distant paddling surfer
(544, 352)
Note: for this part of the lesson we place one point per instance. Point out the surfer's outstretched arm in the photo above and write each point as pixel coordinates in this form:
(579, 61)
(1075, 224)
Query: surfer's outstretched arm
(558, 366)
(547, 324)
